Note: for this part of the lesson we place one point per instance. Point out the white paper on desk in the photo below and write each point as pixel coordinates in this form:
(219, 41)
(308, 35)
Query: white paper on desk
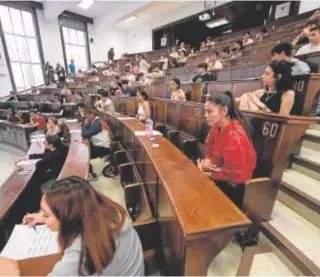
(125, 118)
(28, 162)
(27, 243)
(143, 133)
(41, 139)
(71, 120)
(75, 131)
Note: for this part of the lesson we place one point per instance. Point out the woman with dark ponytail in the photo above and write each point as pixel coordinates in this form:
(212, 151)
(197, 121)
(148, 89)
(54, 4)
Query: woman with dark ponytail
(230, 157)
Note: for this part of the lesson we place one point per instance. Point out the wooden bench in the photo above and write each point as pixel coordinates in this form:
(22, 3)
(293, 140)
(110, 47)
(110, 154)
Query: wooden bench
(192, 227)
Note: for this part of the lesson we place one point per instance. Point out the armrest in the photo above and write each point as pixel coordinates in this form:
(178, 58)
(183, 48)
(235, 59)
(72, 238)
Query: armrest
(259, 198)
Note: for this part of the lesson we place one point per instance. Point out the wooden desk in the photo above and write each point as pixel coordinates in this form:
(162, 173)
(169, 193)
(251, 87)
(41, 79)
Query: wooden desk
(195, 218)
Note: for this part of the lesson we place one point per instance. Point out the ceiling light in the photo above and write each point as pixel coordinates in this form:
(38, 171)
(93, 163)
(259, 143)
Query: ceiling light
(205, 16)
(85, 4)
(216, 23)
(131, 18)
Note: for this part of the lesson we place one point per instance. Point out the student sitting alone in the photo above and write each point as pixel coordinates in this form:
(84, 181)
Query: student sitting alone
(105, 104)
(203, 76)
(95, 235)
(13, 117)
(143, 106)
(230, 157)
(277, 95)
(177, 93)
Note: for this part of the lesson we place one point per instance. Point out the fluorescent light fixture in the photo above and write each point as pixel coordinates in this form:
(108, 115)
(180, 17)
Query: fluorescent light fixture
(85, 4)
(205, 16)
(217, 22)
(131, 18)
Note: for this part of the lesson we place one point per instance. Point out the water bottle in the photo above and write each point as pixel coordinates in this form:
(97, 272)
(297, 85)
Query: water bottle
(149, 128)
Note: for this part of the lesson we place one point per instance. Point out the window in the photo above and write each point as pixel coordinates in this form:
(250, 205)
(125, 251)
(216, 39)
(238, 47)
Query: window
(75, 42)
(22, 47)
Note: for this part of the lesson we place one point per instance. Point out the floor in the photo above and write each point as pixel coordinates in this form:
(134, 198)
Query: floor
(8, 156)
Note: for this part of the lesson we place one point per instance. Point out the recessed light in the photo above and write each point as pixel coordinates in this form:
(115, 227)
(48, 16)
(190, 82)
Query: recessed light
(131, 18)
(85, 4)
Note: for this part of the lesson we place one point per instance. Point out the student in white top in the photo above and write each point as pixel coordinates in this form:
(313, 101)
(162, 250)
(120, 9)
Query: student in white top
(164, 60)
(66, 91)
(177, 93)
(144, 66)
(156, 72)
(144, 110)
(142, 80)
(53, 127)
(174, 54)
(182, 57)
(314, 42)
(246, 39)
(105, 104)
(80, 74)
(129, 77)
(213, 62)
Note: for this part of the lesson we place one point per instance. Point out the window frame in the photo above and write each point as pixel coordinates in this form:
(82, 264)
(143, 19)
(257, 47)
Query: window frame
(63, 43)
(32, 10)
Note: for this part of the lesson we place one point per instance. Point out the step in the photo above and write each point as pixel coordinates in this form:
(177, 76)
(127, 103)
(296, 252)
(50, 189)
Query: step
(311, 140)
(315, 126)
(296, 237)
(262, 260)
(302, 194)
(308, 163)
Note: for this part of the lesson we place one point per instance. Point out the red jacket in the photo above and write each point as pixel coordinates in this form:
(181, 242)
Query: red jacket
(232, 150)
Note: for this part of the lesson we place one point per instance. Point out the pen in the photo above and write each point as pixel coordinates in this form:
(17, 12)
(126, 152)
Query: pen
(34, 228)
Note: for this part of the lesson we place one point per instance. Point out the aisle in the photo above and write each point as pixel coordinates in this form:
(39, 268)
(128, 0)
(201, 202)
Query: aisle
(8, 156)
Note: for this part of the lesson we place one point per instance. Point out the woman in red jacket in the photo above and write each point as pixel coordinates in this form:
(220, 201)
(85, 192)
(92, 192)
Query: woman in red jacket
(230, 157)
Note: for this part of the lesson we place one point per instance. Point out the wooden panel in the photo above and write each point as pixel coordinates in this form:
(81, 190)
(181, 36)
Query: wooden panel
(174, 113)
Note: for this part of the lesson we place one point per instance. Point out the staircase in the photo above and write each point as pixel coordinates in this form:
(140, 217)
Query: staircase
(289, 242)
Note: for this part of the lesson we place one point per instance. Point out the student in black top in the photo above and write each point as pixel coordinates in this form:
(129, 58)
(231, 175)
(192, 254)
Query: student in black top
(277, 95)
(61, 73)
(225, 53)
(111, 55)
(13, 96)
(79, 114)
(203, 76)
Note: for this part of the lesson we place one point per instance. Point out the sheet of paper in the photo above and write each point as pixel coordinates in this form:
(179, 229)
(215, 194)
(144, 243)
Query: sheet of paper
(71, 120)
(143, 133)
(27, 162)
(75, 131)
(27, 243)
(125, 118)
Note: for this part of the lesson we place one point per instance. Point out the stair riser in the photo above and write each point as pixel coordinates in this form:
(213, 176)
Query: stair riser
(300, 205)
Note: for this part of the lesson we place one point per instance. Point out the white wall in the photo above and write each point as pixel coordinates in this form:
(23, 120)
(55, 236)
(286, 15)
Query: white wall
(50, 38)
(103, 41)
(306, 6)
(5, 81)
(140, 40)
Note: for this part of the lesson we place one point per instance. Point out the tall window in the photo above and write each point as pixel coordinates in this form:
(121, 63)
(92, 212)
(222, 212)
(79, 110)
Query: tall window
(22, 47)
(75, 42)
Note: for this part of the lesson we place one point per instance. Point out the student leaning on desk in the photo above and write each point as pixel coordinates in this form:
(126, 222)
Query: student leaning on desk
(94, 233)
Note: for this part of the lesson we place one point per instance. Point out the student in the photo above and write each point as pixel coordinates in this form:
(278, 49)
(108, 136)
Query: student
(303, 37)
(33, 105)
(283, 52)
(96, 130)
(80, 74)
(230, 157)
(72, 69)
(79, 115)
(237, 49)
(126, 90)
(135, 69)
(164, 60)
(174, 54)
(177, 93)
(203, 46)
(225, 53)
(210, 42)
(105, 104)
(156, 71)
(13, 96)
(111, 55)
(314, 42)
(142, 80)
(143, 106)
(13, 117)
(203, 76)
(95, 235)
(66, 91)
(277, 95)
(213, 62)
(53, 127)
(193, 52)
(61, 73)
(49, 72)
(79, 97)
(108, 71)
(144, 66)
(34, 90)
(246, 40)
(182, 58)
(129, 77)
(262, 34)
(37, 120)
(93, 78)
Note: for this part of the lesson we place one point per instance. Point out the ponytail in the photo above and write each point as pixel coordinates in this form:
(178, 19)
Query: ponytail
(226, 99)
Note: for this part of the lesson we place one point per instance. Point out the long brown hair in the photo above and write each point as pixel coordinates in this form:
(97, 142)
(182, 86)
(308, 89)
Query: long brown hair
(85, 213)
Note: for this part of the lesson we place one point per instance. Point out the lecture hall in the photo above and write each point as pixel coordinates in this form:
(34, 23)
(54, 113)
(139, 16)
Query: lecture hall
(142, 138)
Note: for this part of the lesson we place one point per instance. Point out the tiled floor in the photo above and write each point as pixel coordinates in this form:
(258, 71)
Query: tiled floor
(8, 156)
